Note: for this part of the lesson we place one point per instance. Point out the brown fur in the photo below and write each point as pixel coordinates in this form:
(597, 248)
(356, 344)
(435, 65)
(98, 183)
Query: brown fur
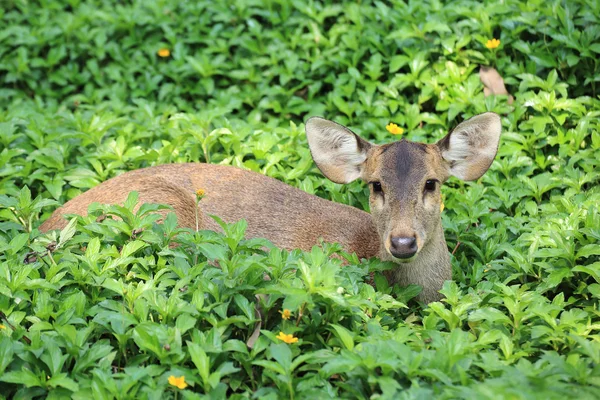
(405, 210)
(273, 210)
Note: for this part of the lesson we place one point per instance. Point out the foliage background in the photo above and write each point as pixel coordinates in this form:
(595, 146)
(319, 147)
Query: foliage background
(103, 310)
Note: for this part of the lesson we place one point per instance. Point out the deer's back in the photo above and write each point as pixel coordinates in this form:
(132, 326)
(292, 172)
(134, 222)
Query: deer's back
(287, 216)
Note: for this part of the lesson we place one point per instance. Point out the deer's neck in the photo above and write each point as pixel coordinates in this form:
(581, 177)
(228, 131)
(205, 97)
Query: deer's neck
(430, 268)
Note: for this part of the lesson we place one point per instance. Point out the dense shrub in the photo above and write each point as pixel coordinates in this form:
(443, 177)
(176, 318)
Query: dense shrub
(102, 310)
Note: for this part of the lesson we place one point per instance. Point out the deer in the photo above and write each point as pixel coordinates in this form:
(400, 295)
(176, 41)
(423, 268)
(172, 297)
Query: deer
(404, 224)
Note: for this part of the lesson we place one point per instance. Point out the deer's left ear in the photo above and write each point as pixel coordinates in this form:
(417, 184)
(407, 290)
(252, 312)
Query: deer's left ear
(470, 148)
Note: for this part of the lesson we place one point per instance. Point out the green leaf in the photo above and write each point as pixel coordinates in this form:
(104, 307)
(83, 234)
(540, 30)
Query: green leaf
(91, 356)
(244, 305)
(131, 247)
(6, 353)
(145, 336)
(588, 250)
(235, 345)
(490, 314)
(24, 198)
(226, 368)
(67, 232)
(345, 336)
(132, 199)
(93, 247)
(114, 285)
(200, 360)
(23, 377)
(213, 251)
(283, 355)
(185, 322)
(273, 366)
(18, 242)
(53, 358)
(63, 381)
(592, 269)
(8, 202)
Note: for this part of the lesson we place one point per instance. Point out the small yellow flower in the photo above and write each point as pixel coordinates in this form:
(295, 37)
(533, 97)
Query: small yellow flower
(289, 339)
(164, 53)
(394, 129)
(2, 326)
(285, 314)
(200, 193)
(442, 206)
(492, 43)
(179, 382)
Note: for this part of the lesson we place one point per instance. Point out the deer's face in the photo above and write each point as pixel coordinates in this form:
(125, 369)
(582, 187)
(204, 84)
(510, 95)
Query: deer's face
(404, 180)
(405, 177)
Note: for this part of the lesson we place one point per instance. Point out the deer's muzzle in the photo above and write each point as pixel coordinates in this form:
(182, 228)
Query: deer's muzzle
(403, 247)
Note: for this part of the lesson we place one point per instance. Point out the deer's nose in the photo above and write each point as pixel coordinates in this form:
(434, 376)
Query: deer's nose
(403, 247)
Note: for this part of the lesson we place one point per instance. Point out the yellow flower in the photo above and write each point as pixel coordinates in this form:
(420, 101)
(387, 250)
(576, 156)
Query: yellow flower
(289, 339)
(179, 382)
(2, 326)
(164, 53)
(394, 129)
(200, 193)
(285, 314)
(441, 206)
(492, 43)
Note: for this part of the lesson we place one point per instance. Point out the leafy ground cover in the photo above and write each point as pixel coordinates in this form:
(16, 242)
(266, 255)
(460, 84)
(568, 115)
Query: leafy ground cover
(109, 309)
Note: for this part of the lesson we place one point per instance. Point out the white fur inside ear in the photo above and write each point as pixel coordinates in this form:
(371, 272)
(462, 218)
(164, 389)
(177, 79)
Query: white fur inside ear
(335, 149)
(472, 146)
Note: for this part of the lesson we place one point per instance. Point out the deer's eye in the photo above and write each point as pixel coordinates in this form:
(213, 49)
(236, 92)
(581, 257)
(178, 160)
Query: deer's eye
(377, 187)
(430, 185)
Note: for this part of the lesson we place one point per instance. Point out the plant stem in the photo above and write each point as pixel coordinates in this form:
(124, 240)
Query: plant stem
(197, 226)
(291, 388)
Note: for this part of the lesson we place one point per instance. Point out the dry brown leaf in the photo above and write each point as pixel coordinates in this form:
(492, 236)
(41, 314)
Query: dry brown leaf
(493, 83)
(258, 312)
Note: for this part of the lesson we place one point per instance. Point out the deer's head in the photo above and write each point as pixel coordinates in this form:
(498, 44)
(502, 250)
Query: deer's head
(405, 177)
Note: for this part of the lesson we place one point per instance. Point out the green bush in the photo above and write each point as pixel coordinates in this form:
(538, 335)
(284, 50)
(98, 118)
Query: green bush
(111, 309)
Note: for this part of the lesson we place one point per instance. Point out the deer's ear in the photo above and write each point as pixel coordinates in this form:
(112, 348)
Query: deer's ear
(338, 152)
(470, 148)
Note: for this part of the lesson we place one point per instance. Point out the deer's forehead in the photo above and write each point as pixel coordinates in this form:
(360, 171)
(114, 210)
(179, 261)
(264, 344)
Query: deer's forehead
(400, 163)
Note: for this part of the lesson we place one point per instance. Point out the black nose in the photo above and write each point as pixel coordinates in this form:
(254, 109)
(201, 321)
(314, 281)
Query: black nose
(403, 247)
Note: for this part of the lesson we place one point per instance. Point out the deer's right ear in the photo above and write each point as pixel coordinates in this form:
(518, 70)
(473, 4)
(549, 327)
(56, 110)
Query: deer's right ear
(339, 153)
